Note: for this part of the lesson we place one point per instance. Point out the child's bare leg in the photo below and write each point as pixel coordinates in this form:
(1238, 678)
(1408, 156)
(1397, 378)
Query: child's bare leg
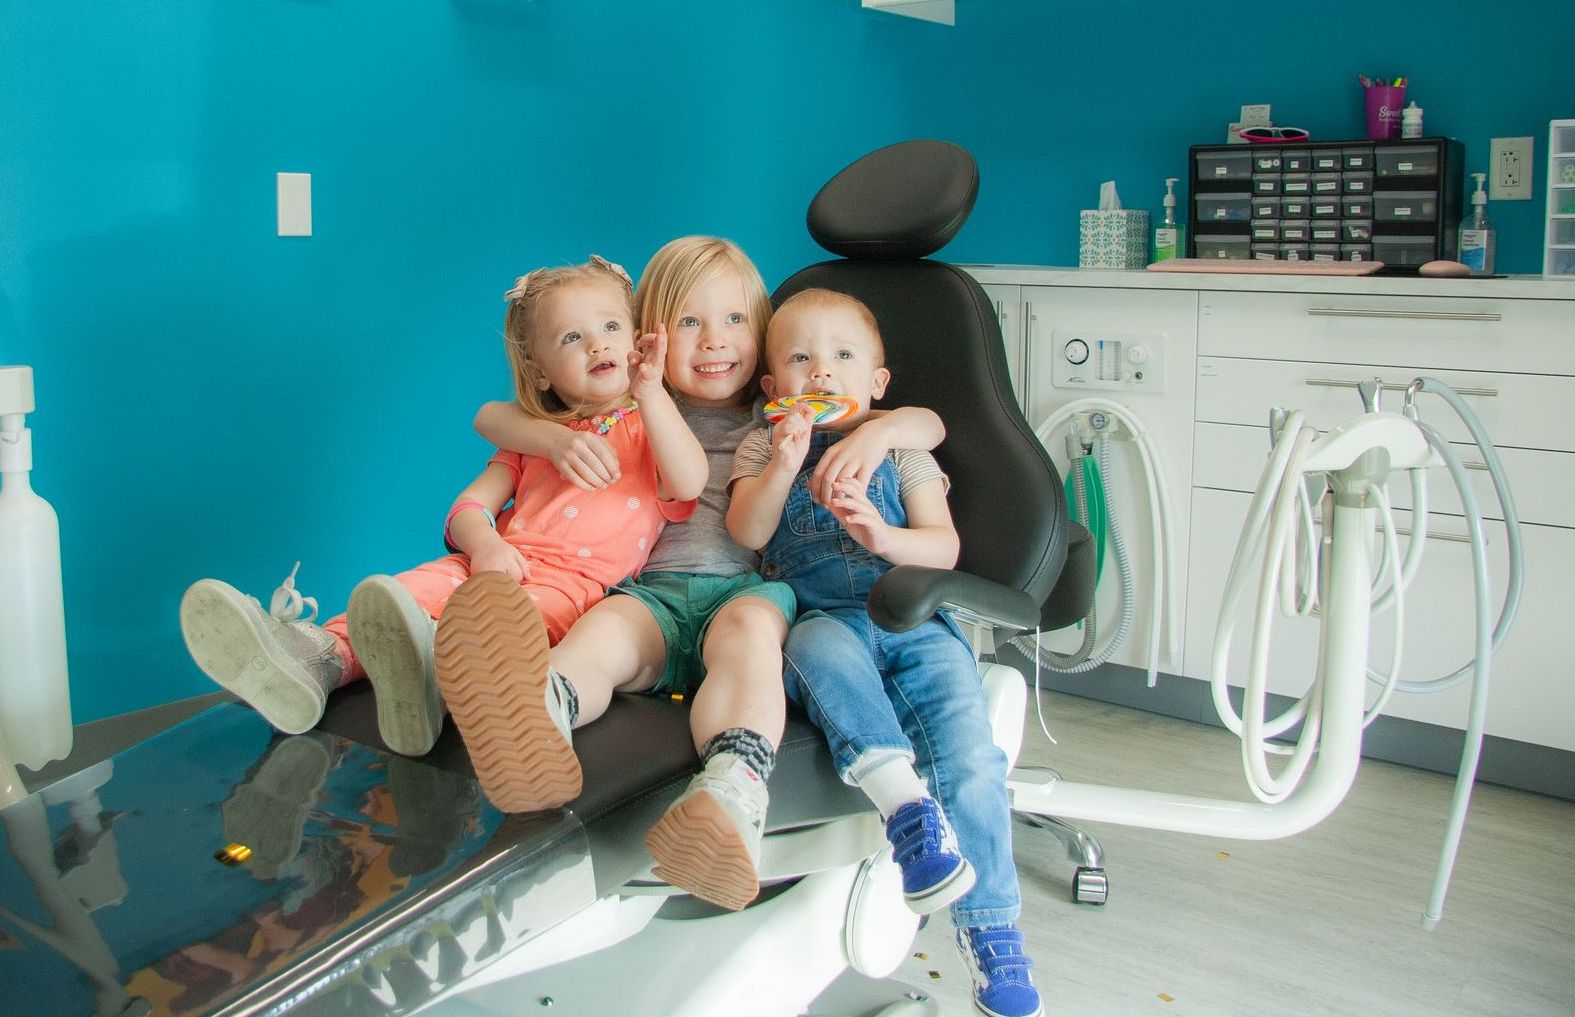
(743, 673)
(616, 647)
(708, 842)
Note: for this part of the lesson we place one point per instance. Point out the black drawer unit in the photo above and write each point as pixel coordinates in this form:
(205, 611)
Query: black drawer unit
(1397, 202)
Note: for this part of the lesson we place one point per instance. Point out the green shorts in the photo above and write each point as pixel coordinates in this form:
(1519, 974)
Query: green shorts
(684, 603)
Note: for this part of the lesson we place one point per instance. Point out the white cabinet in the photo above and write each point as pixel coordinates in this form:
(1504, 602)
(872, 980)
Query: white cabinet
(1236, 346)
(1037, 322)
(1008, 311)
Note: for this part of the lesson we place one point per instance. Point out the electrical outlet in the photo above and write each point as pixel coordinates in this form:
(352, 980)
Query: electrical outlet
(1509, 172)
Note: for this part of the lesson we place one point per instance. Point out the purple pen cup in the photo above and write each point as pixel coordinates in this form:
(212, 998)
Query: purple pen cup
(1384, 103)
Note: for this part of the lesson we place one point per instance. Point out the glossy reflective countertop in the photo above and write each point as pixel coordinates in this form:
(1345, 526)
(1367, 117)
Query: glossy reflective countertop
(220, 867)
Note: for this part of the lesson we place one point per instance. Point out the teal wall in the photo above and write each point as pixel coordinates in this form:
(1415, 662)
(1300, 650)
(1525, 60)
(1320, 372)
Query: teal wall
(216, 400)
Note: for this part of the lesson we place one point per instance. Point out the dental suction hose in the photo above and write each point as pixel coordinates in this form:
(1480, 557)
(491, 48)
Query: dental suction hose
(1085, 658)
(1164, 624)
(1272, 532)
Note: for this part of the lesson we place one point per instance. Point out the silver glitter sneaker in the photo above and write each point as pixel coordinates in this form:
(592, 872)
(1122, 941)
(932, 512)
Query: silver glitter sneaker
(280, 663)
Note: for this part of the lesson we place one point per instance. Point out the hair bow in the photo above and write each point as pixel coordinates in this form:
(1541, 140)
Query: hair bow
(520, 284)
(613, 267)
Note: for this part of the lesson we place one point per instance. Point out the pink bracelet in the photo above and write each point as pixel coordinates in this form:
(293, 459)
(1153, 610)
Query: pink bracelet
(448, 537)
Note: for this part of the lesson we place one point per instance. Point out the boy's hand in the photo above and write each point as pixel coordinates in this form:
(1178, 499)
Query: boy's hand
(501, 556)
(646, 363)
(586, 460)
(854, 458)
(858, 515)
(792, 440)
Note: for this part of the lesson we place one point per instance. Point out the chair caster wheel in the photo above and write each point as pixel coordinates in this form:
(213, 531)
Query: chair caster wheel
(1089, 886)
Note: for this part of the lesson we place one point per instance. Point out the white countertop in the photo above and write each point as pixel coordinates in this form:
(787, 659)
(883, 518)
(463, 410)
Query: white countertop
(1518, 287)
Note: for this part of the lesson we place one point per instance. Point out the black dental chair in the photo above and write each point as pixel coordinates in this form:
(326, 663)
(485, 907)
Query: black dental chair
(1024, 563)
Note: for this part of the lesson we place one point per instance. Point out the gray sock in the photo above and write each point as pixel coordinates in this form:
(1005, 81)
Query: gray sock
(571, 699)
(751, 747)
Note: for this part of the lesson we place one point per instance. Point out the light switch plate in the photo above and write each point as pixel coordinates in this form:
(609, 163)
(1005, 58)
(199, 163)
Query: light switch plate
(295, 204)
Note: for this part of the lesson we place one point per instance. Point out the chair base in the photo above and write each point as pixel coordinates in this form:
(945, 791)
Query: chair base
(1090, 885)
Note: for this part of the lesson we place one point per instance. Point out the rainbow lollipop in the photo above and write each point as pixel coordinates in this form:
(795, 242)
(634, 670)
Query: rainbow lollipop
(828, 408)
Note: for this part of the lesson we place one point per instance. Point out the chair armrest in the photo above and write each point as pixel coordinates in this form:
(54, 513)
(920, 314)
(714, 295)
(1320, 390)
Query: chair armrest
(906, 596)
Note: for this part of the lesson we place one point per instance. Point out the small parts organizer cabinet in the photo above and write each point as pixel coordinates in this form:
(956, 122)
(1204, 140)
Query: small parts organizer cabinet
(1236, 345)
(1397, 202)
(1560, 254)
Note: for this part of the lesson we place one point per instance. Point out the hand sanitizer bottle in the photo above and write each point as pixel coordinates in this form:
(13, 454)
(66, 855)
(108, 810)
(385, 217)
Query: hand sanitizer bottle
(1168, 236)
(35, 705)
(1476, 232)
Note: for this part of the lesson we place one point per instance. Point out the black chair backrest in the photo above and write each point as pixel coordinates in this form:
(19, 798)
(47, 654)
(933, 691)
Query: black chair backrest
(885, 213)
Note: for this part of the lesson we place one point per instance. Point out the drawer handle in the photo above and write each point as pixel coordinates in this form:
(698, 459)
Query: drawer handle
(1405, 531)
(1395, 386)
(1028, 354)
(1362, 312)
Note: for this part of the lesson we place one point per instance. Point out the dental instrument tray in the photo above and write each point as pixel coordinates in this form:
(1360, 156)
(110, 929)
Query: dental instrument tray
(1265, 267)
(1395, 202)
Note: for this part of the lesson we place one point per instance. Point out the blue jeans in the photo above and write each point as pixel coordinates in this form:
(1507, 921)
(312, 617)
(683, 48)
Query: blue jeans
(876, 693)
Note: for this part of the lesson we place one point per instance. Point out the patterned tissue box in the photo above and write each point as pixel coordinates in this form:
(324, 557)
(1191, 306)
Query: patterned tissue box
(1113, 238)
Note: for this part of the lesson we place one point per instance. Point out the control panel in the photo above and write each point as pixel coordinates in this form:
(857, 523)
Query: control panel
(1100, 360)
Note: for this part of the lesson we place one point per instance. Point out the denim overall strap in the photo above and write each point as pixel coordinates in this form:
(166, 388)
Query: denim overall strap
(813, 553)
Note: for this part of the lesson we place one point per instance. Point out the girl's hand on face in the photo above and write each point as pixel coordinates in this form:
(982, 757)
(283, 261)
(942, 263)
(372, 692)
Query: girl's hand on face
(586, 460)
(855, 458)
(501, 556)
(792, 438)
(647, 362)
(858, 515)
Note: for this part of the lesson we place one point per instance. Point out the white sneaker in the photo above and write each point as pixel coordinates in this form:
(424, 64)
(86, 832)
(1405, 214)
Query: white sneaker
(708, 841)
(391, 635)
(281, 664)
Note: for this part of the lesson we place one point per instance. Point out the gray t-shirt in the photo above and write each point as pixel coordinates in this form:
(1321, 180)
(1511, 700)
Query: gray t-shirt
(701, 542)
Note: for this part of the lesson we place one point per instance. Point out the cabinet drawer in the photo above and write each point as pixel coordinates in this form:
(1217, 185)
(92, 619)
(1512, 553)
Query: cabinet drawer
(1527, 411)
(1465, 333)
(1230, 457)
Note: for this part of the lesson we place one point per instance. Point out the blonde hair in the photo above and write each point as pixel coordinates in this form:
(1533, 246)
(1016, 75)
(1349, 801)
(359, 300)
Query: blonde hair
(520, 327)
(685, 264)
(819, 297)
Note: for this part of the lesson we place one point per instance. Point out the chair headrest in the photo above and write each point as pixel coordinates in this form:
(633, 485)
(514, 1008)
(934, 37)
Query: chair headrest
(899, 202)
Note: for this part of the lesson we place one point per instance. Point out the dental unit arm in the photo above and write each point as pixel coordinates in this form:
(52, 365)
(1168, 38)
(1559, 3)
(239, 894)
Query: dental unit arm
(1352, 462)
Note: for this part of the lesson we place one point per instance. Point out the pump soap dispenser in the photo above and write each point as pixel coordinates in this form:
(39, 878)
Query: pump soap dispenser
(1168, 236)
(35, 705)
(1476, 232)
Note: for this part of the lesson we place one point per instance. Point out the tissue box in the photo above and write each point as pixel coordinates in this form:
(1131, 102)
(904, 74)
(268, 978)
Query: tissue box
(1113, 238)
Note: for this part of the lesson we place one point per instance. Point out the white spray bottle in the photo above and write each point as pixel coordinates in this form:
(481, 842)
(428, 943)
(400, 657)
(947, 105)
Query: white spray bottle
(35, 703)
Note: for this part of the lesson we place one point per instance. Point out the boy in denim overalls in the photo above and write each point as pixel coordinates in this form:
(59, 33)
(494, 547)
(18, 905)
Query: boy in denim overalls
(892, 705)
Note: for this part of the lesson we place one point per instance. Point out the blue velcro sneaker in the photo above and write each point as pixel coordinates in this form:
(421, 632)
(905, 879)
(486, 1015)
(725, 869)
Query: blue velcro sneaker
(1002, 986)
(934, 872)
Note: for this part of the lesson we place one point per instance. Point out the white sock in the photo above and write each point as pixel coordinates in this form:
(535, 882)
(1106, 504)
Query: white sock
(891, 784)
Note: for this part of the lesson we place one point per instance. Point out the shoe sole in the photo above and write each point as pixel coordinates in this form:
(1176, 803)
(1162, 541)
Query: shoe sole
(698, 849)
(943, 893)
(389, 635)
(492, 654)
(224, 633)
(984, 1011)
